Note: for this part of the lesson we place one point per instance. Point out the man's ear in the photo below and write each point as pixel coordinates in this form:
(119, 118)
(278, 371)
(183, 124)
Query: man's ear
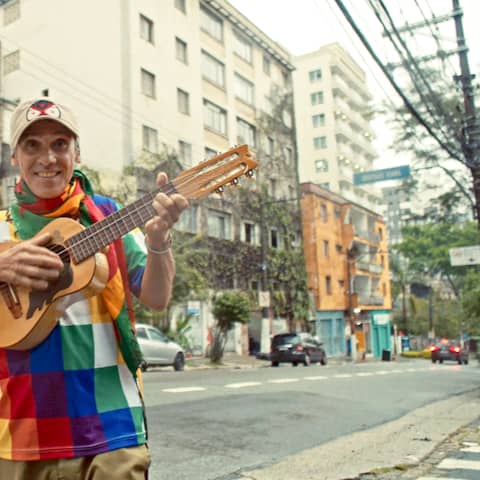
(77, 157)
(13, 160)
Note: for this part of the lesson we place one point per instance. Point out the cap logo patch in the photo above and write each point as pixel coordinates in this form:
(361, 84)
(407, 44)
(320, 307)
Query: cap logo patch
(43, 108)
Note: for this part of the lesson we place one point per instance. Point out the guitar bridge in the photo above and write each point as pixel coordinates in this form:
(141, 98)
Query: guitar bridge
(9, 294)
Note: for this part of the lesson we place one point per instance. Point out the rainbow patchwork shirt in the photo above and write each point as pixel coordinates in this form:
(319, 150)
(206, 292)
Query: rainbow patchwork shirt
(73, 394)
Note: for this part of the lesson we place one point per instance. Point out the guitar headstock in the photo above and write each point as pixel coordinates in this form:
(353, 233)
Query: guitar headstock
(214, 174)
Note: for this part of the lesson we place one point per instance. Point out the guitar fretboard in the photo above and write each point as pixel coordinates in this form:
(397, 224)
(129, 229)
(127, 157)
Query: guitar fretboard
(96, 237)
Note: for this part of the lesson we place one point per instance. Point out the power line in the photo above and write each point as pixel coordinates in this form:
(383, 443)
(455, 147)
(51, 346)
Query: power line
(399, 91)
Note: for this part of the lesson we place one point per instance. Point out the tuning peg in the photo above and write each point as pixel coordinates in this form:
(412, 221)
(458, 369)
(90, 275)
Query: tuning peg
(234, 182)
(220, 190)
(250, 173)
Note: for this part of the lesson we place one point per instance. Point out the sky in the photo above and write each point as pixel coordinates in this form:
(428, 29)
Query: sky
(302, 26)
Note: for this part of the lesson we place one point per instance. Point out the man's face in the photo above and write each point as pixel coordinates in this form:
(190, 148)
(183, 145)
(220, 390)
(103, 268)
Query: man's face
(46, 156)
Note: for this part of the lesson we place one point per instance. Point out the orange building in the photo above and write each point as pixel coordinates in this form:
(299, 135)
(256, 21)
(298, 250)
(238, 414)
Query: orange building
(348, 274)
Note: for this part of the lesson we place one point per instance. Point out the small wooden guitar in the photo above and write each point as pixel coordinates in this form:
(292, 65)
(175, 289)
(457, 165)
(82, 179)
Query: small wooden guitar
(28, 316)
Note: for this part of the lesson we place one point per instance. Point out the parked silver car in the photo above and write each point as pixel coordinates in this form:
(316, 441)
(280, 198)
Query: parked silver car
(158, 350)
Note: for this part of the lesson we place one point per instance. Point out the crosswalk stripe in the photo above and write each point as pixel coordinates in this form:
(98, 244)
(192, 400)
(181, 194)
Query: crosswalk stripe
(454, 463)
(318, 377)
(471, 449)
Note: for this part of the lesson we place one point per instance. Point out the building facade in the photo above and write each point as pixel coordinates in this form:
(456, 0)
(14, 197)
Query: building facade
(348, 273)
(187, 77)
(333, 112)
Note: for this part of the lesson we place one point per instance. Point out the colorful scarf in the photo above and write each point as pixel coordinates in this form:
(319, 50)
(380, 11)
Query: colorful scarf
(30, 214)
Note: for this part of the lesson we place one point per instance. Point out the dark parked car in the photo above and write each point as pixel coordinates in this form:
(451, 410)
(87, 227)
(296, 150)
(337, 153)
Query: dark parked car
(296, 348)
(158, 350)
(448, 350)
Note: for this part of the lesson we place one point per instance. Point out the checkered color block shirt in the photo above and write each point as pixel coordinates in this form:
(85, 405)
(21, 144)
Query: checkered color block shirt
(73, 394)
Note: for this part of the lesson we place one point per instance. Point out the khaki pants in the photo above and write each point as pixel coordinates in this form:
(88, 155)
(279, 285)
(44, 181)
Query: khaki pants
(122, 464)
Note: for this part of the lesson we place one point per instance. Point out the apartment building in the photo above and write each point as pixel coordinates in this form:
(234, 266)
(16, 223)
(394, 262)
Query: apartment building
(333, 111)
(192, 77)
(348, 275)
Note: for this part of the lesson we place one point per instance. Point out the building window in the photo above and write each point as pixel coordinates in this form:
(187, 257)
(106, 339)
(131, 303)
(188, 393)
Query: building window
(325, 185)
(287, 118)
(323, 213)
(219, 224)
(320, 143)
(270, 146)
(242, 47)
(181, 5)
(148, 83)
(318, 120)
(213, 70)
(273, 187)
(11, 62)
(328, 285)
(268, 106)
(336, 212)
(210, 153)
(11, 12)
(183, 101)
(150, 139)
(215, 117)
(245, 133)
(249, 233)
(338, 248)
(274, 239)
(321, 166)
(146, 28)
(188, 220)
(267, 65)
(244, 89)
(211, 24)
(288, 152)
(185, 153)
(316, 98)
(325, 248)
(315, 75)
(181, 52)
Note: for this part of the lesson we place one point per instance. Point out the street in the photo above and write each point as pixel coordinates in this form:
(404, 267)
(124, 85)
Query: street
(220, 424)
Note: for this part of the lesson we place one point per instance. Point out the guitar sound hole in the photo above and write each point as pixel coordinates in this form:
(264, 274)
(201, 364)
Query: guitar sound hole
(61, 251)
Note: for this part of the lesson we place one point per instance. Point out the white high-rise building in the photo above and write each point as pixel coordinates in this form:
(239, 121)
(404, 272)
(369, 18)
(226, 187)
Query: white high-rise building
(332, 113)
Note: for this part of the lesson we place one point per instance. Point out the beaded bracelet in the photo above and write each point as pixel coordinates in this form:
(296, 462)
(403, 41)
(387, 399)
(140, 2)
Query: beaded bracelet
(159, 252)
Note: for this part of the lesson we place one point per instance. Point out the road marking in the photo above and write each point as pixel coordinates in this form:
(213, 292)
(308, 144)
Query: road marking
(396, 371)
(343, 375)
(454, 463)
(364, 374)
(284, 380)
(183, 389)
(471, 449)
(381, 372)
(318, 377)
(242, 385)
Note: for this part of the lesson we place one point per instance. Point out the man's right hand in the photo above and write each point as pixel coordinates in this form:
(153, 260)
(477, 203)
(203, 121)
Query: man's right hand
(30, 264)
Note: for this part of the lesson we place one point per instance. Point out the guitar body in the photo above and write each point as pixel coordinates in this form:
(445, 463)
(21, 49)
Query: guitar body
(28, 316)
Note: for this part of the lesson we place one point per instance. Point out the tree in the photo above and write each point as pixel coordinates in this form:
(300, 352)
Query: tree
(438, 102)
(426, 248)
(228, 309)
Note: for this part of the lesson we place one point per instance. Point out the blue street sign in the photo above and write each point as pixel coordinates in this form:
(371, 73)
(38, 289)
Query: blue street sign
(395, 173)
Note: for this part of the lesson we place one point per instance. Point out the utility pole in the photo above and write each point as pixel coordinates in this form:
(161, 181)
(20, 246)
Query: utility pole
(471, 130)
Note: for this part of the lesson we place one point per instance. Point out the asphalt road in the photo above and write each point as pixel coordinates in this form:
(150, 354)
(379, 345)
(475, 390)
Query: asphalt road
(222, 424)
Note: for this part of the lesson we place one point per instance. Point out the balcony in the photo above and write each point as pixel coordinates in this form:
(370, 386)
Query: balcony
(370, 300)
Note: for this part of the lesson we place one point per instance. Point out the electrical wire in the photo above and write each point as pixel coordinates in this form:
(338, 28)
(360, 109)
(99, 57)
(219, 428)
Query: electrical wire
(399, 91)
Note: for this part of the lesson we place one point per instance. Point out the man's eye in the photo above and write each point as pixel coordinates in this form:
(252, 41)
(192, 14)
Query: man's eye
(61, 143)
(31, 144)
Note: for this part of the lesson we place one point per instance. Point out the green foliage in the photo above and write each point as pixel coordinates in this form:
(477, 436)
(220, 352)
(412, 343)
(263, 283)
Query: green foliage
(228, 308)
(179, 335)
(426, 250)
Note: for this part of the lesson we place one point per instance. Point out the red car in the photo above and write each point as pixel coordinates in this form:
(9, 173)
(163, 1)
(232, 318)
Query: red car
(448, 350)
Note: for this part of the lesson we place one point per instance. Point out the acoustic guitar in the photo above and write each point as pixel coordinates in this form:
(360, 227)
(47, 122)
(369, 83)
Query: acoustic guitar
(28, 316)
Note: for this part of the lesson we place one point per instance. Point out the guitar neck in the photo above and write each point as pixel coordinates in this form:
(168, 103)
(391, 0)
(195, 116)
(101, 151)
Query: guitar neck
(96, 237)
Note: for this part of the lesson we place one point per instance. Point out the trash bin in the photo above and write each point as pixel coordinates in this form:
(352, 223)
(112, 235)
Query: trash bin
(386, 355)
